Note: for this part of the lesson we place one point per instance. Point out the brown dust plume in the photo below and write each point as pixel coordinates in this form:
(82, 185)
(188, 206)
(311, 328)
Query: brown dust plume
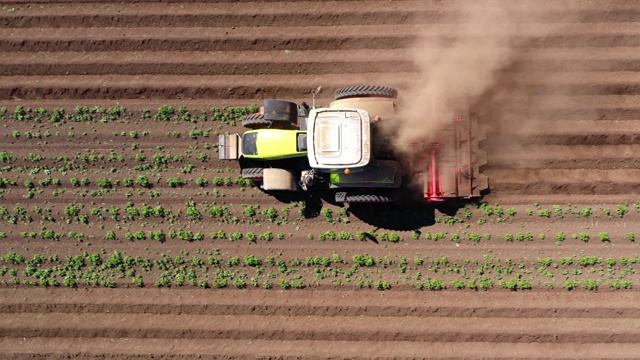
(460, 62)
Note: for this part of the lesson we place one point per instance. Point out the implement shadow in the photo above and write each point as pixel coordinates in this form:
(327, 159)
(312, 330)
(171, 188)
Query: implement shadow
(405, 216)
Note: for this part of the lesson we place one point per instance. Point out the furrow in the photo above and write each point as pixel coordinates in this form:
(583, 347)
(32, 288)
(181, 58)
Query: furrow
(510, 196)
(121, 57)
(586, 113)
(196, 16)
(601, 163)
(125, 348)
(315, 38)
(329, 335)
(325, 311)
(292, 66)
(279, 86)
(286, 7)
(551, 4)
(621, 176)
(596, 139)
(275, 327)
(502, 187)
(333, 297)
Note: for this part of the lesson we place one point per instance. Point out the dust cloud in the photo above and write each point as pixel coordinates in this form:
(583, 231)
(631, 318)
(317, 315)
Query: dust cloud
(460, 62)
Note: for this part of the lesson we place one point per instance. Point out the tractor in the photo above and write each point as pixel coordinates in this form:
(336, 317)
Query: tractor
(345, 150)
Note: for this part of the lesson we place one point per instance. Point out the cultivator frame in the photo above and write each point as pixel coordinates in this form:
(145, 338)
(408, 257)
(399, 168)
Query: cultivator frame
(449, 167)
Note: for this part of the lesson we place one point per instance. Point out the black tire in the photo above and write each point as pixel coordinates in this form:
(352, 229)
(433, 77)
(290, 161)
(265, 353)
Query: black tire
(251, 173)
(366, 91)
(280, 110)
(255, 121)
(367, 198)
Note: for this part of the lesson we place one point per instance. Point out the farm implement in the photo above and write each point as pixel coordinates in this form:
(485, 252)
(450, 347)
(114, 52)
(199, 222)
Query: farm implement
(346, 149)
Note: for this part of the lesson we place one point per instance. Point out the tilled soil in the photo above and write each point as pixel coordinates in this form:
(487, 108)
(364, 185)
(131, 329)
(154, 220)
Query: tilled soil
(562, 121)
(318, 324)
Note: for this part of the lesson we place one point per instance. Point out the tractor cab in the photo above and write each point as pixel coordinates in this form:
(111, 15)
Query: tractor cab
(338, 138)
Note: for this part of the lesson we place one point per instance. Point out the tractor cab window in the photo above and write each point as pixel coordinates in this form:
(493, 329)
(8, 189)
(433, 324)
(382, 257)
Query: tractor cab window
(249, 146)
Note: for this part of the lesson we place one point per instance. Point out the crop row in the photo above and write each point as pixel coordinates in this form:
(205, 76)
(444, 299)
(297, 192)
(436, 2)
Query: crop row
(485, 212)
(99, 114)
(77, 213)
(213, 269)
(141, 181)
(175, 223)
(161, 161)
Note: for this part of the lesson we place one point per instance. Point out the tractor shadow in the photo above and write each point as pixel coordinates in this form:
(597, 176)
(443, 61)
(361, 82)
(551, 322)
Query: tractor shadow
(312, 202)
(405, 216)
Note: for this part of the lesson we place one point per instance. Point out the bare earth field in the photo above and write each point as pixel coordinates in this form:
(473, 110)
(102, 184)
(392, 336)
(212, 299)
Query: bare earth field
(123, 236)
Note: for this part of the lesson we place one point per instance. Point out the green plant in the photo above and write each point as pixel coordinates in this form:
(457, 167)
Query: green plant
(175, 182)
(586, 212)
(267, 236)
(240, 283)
(394, 238)
(233, 261)
(621, 210)
(271, 213)
(143, 181)
(545, 261)
(544, 213)
(582, 236)
(328, 214)
(202, 182)
(474, 237)
(589, 261)
(382, 285)
(328, 235)
(193, 213)
(251, 260)
(250, 210)
(110, 235)
(137, 281)
(363, 260)
(590, 284)
(566, 261)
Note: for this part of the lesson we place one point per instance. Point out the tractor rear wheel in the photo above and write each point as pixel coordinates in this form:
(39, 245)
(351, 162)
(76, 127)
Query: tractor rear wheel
(251, 173)
(274, 121)
(361, 198)
(280, 110)
(274, 179)
(366, 91)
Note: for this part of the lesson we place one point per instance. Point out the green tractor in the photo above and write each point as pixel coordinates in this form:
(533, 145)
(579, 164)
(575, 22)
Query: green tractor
(341, 148)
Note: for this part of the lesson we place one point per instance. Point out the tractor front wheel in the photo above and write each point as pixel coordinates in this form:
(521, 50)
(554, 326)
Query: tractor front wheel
(366, 91)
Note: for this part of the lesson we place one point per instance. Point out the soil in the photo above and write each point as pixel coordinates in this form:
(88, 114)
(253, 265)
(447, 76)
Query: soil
(562, 120)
